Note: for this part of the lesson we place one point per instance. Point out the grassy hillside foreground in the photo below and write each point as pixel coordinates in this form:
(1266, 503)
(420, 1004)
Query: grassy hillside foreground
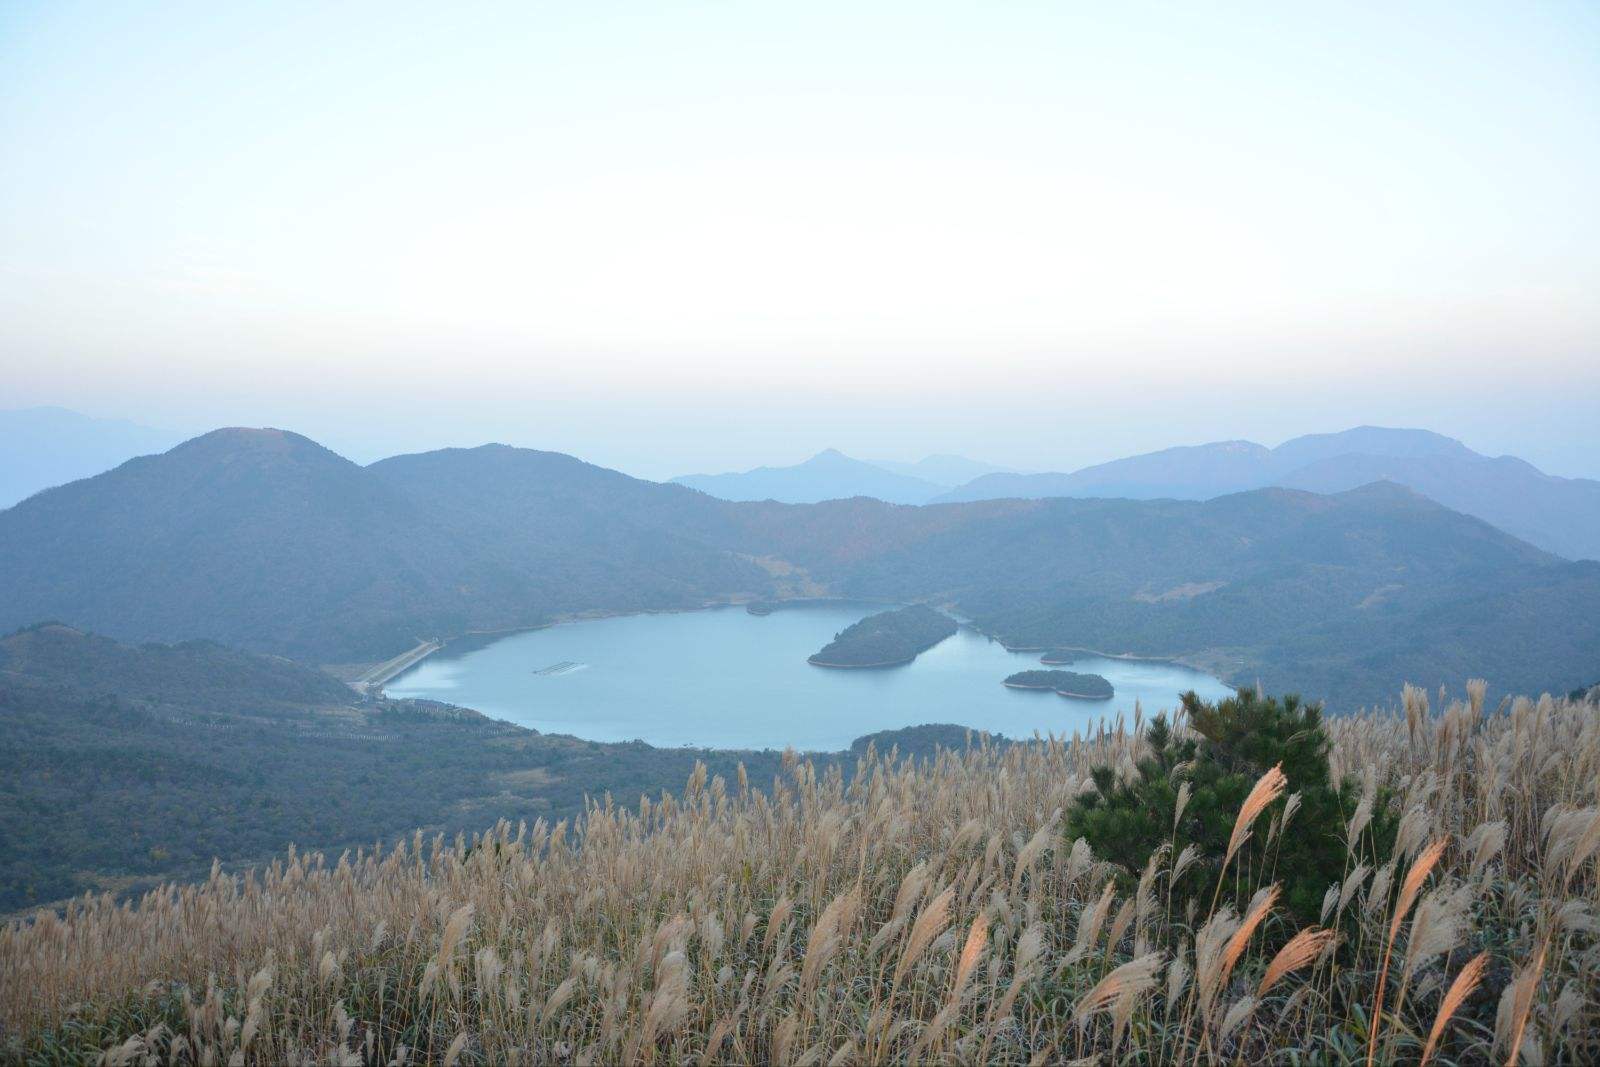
(922, 912)
(124, 767)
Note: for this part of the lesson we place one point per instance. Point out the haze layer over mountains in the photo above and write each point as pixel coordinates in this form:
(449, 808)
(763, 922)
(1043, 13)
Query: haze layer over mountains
(265, 540)
(42, 447)
(1560, 515)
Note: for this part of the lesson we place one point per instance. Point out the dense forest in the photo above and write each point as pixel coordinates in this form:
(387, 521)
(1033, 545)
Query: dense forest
(886, 639)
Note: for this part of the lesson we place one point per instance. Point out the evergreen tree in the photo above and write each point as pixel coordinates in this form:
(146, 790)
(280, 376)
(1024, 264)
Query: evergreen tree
(1239, 739)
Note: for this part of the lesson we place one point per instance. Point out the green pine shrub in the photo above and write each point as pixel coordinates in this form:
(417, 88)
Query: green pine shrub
(1239, 738)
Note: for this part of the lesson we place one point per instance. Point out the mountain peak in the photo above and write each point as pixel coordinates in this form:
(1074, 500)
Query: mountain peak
(1367, 440)
(257, 447)
(262, 437)
(828, 475)
(1385, 489)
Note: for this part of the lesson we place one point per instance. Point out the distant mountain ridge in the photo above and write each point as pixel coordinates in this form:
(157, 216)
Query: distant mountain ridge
(828, 475)
(1561, 515)
(266, 540)
(45, 447)
(943, 469)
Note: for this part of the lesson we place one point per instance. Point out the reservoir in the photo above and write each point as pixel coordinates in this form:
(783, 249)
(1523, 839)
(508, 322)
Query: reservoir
(723, 678)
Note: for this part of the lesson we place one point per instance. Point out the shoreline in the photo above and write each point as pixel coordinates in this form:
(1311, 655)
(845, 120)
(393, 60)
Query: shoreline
(861, 666)
(1095, 653)
(1176, 660)
(1060, 692)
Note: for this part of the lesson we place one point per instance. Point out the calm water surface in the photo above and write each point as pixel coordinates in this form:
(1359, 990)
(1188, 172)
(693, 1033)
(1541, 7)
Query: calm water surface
(724, 678)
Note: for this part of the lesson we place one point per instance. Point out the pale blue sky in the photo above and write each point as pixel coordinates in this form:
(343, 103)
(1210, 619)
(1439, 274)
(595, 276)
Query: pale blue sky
(675, 236)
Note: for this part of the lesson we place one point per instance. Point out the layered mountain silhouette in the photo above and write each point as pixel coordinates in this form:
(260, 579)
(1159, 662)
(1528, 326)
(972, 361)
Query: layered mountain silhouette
(942, 469)
(1561, 515)
(828, 475)
(43, 447)
(266, 540)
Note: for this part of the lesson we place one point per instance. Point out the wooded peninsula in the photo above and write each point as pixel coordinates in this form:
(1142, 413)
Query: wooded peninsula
(887, 639)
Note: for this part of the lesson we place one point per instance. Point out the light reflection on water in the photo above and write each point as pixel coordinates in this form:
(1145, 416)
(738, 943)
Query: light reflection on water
(724, 678)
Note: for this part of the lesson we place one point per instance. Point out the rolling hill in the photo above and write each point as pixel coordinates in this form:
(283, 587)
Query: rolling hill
(194, 674)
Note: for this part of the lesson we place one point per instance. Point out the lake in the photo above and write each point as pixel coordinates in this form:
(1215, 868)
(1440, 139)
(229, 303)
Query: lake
(723, 678)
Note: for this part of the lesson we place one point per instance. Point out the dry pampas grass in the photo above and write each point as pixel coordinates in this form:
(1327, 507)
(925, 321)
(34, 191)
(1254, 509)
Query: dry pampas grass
(902, 912)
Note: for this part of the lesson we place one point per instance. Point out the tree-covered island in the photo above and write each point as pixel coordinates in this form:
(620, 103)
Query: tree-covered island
(887, 639)
(1066, 683)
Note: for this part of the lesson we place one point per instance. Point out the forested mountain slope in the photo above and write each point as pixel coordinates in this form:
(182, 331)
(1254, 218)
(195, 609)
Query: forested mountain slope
(265, 539)
(199, 674)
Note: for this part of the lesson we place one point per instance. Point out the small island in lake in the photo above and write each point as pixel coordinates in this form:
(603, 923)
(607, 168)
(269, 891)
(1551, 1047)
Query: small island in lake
(1066, 683)
(887, 639)
(1061, 656)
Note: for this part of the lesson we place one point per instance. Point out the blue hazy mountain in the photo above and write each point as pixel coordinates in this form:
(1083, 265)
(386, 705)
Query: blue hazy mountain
(943, 469)
(1367, 440)
(1560, 515)
(45, 447)
(828, 475)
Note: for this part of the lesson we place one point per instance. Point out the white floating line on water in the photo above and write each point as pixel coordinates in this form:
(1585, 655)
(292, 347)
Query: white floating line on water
(566, 666)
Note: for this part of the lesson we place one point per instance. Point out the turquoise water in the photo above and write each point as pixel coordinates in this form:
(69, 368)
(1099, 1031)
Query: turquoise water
(724, 678)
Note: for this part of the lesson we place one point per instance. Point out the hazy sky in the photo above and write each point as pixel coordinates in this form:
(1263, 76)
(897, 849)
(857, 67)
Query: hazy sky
(681, 236)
